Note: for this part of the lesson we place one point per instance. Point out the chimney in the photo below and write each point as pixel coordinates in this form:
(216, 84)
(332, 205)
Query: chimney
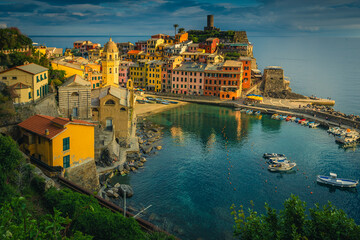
(47, 132)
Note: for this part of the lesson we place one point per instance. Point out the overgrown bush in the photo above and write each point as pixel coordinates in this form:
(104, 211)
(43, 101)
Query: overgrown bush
(89, 217)
(292, 222)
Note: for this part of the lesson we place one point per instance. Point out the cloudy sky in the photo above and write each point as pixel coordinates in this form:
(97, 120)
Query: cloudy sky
(141, 17)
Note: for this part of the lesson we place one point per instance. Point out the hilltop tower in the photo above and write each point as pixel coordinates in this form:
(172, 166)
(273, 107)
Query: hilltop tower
(210, 24)
(110, 65)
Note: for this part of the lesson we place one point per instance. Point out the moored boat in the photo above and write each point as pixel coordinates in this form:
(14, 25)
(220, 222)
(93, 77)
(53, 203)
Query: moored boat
(281, 167)
(257, 113)
(335, 181)
(270, 155)
(278, 160)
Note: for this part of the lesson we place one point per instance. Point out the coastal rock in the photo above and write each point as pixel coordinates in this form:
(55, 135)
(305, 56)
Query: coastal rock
(126, 188)
(120, 168)
(147, 149)
(126, 166)
(110, 193)
(117, 185)
(47, 183)
(143, 159)
(158, 147)
(115, 189)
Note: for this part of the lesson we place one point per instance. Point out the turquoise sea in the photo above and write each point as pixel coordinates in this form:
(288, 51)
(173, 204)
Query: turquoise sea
(212, 156)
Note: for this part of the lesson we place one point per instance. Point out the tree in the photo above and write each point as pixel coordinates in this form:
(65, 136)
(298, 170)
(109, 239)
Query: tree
(293, 223)
(181, 30)
(10, 157)
(176, 26)
(17, 223)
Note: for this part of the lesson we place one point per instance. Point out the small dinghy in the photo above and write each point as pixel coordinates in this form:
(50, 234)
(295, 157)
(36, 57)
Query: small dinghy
(257, 113)
(270, 155)
(281, 167)
(335, 181)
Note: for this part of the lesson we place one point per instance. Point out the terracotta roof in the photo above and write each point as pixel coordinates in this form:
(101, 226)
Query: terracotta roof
(31, 68)
(134, 52)
(76, 79)
(39, 123)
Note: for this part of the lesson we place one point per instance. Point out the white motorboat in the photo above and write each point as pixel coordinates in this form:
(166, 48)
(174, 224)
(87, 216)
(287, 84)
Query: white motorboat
(335, 181)
(313, 125)
(281, 167)
(278, 160)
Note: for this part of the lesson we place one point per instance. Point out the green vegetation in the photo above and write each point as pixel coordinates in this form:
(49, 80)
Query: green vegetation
(11, 38)
(17, 223)
(58, 76)
(200, 36)
(26, 212)
(232, 55)
(292, 222)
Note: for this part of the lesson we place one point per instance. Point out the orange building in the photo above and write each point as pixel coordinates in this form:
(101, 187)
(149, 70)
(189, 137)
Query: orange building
(181, 37)
(223, 80)
(246, 63)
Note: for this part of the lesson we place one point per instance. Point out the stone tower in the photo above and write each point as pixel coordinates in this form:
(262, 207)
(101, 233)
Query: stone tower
(110, 65)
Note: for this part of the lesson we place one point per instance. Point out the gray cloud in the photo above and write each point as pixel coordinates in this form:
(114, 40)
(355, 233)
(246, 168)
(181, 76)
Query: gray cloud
(147, 17)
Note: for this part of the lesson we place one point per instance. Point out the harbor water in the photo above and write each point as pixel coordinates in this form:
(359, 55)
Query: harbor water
(212, 158)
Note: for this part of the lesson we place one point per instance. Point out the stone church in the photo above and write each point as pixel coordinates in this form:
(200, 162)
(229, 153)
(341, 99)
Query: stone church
(75, 98)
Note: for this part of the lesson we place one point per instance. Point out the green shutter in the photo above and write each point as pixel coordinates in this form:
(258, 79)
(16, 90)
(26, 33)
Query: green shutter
(66, 143)
(66, 161)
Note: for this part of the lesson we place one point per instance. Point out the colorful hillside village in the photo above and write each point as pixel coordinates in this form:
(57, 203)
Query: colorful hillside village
(94, 107)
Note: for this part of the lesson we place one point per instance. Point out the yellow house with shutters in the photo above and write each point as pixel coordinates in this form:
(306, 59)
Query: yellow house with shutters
(153, 75)
(137, 72)
(57, 142)
(69, 68)
(28, 82)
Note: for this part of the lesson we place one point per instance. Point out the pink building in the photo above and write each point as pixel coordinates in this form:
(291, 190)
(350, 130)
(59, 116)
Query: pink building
(193, 47)
(124, 72)
(188, 79)
(166, 72)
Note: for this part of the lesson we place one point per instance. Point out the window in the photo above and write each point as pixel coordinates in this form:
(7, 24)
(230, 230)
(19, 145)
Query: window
(29, 95)
(66, 161)
(110, 102)
(4, 78)
(93, 85)
(66, 143)
(37, 78)
(37, 92)
(97, 84)
(14, 78)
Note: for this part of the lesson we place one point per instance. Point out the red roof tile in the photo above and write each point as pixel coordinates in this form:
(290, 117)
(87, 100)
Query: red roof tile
(134, 52)
(39, 123)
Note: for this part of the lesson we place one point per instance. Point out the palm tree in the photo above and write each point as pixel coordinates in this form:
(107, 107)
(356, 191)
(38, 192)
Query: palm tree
(175, 26)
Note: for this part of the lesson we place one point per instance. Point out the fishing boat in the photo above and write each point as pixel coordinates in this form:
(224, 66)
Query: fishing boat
(281, 167)
(278, 160)
(270, 155)
(257, 113)
(335, 181)
(274, 116)
(313, 124)
(346, 139)
(249, 112)
(173, 102)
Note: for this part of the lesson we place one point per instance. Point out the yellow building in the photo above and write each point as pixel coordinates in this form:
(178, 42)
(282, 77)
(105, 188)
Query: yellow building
(153, 75)
(69, 68)
(110, 65)
(153, 43)
(57, 141)
(29, 82)
(95, 54)
(137, 72)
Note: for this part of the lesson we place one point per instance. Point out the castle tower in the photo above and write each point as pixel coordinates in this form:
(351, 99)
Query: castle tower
(110, 65)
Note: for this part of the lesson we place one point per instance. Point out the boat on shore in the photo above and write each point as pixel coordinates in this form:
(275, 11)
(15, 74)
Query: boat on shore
(257, 113)
(313, 124)
(335, 181)
(249, 112)
(281, 167)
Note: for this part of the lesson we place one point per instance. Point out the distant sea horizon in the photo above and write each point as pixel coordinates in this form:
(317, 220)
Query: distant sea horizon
(326, 67)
